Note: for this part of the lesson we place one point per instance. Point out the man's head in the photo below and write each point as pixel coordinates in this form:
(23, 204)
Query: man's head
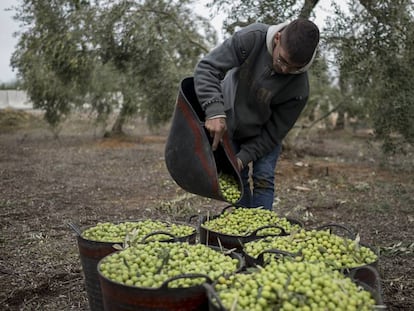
(295, 45)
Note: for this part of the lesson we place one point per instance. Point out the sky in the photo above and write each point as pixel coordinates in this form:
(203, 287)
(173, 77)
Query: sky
(7, 43)
(8, 26)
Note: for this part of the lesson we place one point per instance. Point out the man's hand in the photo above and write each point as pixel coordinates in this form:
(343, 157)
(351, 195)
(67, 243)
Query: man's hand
(217, 127)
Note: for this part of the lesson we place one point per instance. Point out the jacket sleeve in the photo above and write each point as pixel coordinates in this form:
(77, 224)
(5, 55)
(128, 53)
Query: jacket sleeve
(283, 118)
(212, 68)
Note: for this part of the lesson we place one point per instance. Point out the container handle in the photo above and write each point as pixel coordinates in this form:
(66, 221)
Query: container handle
(186, 276)
(192, 217)
(213, 297)
(349, 232)
(295, 221)
(226, 208)
(144, 239)
(254, 233)
(75, 228)
(368, 277)
(278, 252)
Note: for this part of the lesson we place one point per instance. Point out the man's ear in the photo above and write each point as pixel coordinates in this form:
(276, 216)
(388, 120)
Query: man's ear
(277, 37)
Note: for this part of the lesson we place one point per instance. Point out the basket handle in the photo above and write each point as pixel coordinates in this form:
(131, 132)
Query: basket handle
(295, 221)
(226, 208)
(254, 233)
(348, 231)
(144, 239)
(277, 252)
(186, 276)
(213, 297)
(192, 217)
(368, 277)
(75, 228)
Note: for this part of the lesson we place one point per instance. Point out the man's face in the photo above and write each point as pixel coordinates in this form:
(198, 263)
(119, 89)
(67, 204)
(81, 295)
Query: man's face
(281, 59)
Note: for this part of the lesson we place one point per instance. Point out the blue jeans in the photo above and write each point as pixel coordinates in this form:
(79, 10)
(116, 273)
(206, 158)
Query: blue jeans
(263, 176)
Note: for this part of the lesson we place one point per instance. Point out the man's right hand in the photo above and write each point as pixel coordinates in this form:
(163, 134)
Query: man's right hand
(216, 127)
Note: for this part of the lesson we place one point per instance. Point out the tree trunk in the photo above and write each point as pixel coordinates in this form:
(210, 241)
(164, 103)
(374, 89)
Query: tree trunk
(307, 8)
(340, 121)
(117, 128)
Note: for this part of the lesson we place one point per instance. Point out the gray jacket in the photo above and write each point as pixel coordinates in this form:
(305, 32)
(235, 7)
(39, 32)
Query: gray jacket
(236, 79)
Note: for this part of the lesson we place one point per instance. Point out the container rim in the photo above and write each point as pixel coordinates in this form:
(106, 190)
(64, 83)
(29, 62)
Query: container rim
(83, 228)
(291, 220)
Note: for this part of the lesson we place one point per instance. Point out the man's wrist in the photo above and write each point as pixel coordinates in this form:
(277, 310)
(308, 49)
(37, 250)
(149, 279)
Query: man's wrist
(217, 117)
(243, 157)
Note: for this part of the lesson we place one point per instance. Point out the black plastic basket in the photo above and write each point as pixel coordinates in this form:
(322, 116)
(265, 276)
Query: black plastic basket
(91, 252)
(339, 230)
(189, 157)
(121, 297)
(211, 237)
(367, 277)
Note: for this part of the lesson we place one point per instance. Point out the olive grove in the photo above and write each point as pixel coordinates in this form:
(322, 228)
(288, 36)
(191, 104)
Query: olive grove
(129, 56)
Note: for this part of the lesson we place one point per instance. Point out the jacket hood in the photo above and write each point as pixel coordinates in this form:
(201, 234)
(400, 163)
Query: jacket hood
(271, 32)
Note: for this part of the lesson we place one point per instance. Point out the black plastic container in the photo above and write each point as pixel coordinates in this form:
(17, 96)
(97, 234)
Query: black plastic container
(367, 277)
(211, 237)
(339, 230)
(189, 157)
(121, 297)
(259, 261)
(91, 252)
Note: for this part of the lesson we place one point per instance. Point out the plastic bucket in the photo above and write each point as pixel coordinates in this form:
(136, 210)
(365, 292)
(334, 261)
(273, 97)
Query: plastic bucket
(188, 154)
(333, 228)
(91, 252)
(121, 297)
(367, 277)
(211, 237)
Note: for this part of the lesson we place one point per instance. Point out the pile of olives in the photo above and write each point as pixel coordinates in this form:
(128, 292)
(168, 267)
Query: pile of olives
(288, 285)
(136, 231)
(229, 188)
(150, 265)
(244, 221)
(315, 245)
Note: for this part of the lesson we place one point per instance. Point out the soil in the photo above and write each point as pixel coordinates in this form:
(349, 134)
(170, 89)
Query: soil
(327, 177)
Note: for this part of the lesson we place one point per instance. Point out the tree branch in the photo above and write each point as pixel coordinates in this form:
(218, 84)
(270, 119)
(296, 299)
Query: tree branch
(323, 117)
(307, 8)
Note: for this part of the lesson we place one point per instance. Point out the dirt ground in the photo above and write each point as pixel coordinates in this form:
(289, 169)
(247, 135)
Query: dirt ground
(328, 177)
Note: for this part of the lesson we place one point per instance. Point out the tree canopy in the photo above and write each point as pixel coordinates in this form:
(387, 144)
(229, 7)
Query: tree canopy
(126, 55)
(374, 47)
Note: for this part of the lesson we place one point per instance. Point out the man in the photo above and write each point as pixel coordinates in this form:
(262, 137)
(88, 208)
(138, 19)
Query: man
(255, 85)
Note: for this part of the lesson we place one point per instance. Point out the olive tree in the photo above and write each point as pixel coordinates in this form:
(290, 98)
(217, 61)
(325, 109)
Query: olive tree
(125, 56)
(374, 48)
(243, 12)
(52, 58)
(152, 45)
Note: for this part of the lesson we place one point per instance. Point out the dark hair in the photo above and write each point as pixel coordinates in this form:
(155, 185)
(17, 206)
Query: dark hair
(300, 39)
